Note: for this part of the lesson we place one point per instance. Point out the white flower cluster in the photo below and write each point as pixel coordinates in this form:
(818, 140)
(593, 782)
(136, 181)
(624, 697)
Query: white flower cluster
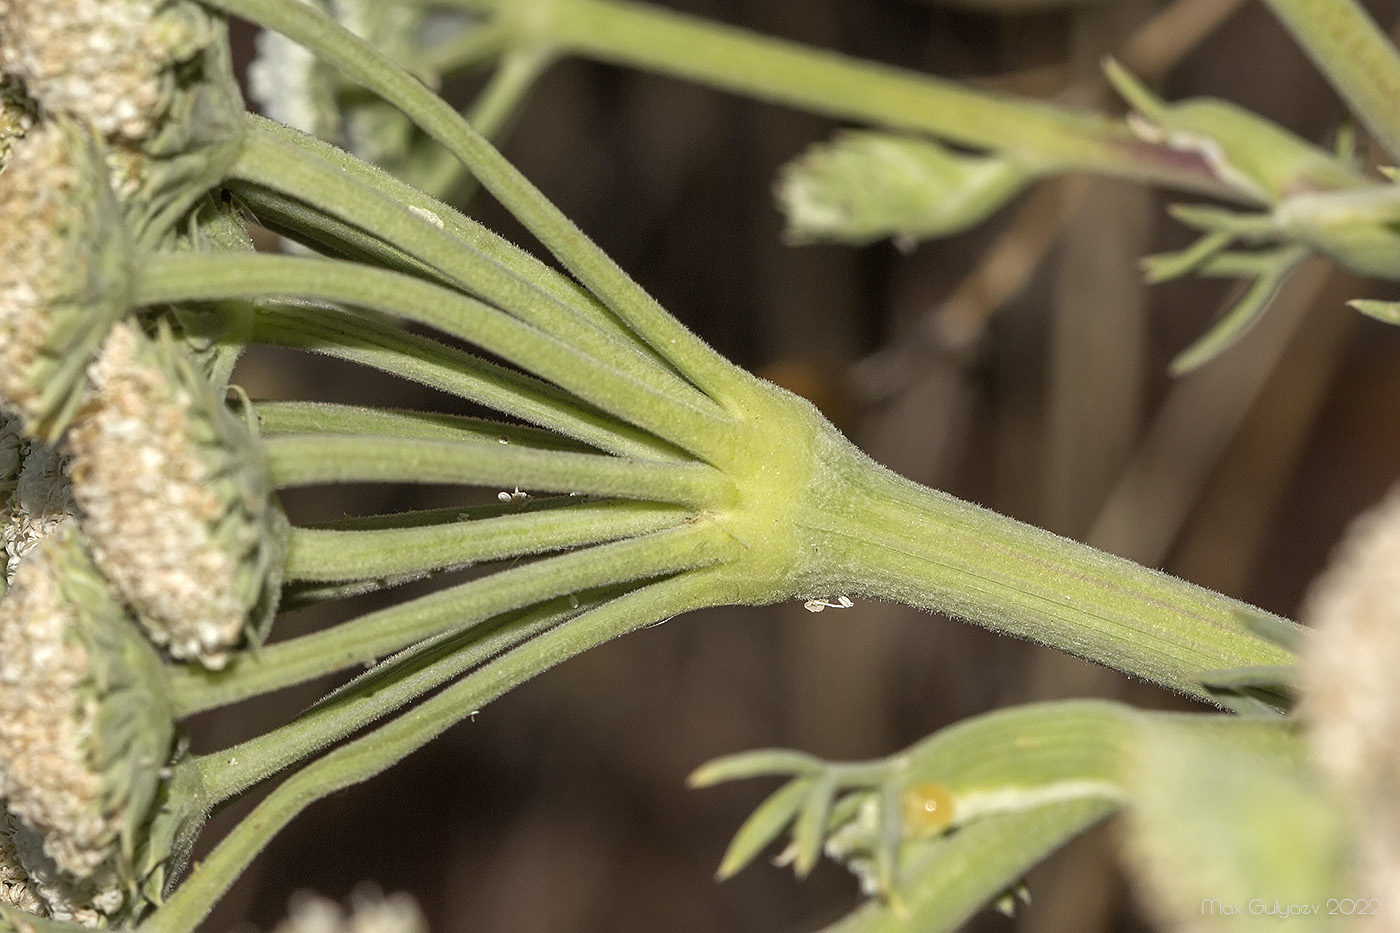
(49, 733)
(107, 62)
(134, 508)
(137, 465)
(1351, 696)
(369, 912)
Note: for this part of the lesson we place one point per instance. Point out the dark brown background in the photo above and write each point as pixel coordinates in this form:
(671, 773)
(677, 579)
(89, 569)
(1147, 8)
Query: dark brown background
(1032, 382)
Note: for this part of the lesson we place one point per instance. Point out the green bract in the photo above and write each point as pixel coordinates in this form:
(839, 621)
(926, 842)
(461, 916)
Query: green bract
(1256, 156)
(864, 186)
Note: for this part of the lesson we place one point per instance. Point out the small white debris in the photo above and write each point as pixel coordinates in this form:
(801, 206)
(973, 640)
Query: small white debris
(516, 496)
(817, 605)
(428, 215)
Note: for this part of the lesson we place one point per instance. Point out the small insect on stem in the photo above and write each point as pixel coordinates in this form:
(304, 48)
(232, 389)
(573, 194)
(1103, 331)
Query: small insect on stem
(817, 605)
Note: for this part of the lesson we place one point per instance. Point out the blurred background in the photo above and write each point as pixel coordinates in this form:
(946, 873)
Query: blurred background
(1021, 365)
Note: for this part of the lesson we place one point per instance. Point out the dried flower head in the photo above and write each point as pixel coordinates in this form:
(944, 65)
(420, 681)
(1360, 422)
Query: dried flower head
(41, 500)
(12, 445)
(85, 727)
(173, 494)
(65, 266)
(16, 115)
(1351, 697)
(15, 887)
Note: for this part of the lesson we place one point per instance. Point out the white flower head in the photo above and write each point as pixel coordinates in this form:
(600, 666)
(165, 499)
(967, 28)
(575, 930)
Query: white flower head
(110, 63)
(152, 80)
(85, 728)
(292, 86)
(173, 494)
(1351, 695)
(370, 912)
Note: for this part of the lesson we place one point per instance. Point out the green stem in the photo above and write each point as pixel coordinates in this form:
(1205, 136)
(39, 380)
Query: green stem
(377, 226)
(330, 418)
(365, 757)
(171, 278)
(304, 460)
(501, 97)
(872, 532)
(381, 633)
(489, 114)
(376, 693)
(580, 255)
(465, 230)
(334, 554)
(473, 46)
(410, 356)
(649, 37)
(1356, 57)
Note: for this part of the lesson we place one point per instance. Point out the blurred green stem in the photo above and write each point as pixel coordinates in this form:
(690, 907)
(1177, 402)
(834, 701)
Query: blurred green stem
(1349, 48)
(649, 37)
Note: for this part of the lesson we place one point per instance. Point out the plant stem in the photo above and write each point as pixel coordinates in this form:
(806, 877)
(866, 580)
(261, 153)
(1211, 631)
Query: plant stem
(480, 43)
(303, 460)
(367, 756)
(874, 533)
(168, 278)
(334, 554)
(378, 634)
(330, 418)
(490, 113)
(1356, 57)
(379, 691)
(467, 231)
(580, 255)
(380, 227)
(410, 356)
(649, 37)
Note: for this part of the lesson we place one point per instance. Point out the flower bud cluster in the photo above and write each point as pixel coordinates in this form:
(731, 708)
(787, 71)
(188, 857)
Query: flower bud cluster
(294, 87)
(173, 496)
(150, 78)
(65, 262)
(84, 728)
